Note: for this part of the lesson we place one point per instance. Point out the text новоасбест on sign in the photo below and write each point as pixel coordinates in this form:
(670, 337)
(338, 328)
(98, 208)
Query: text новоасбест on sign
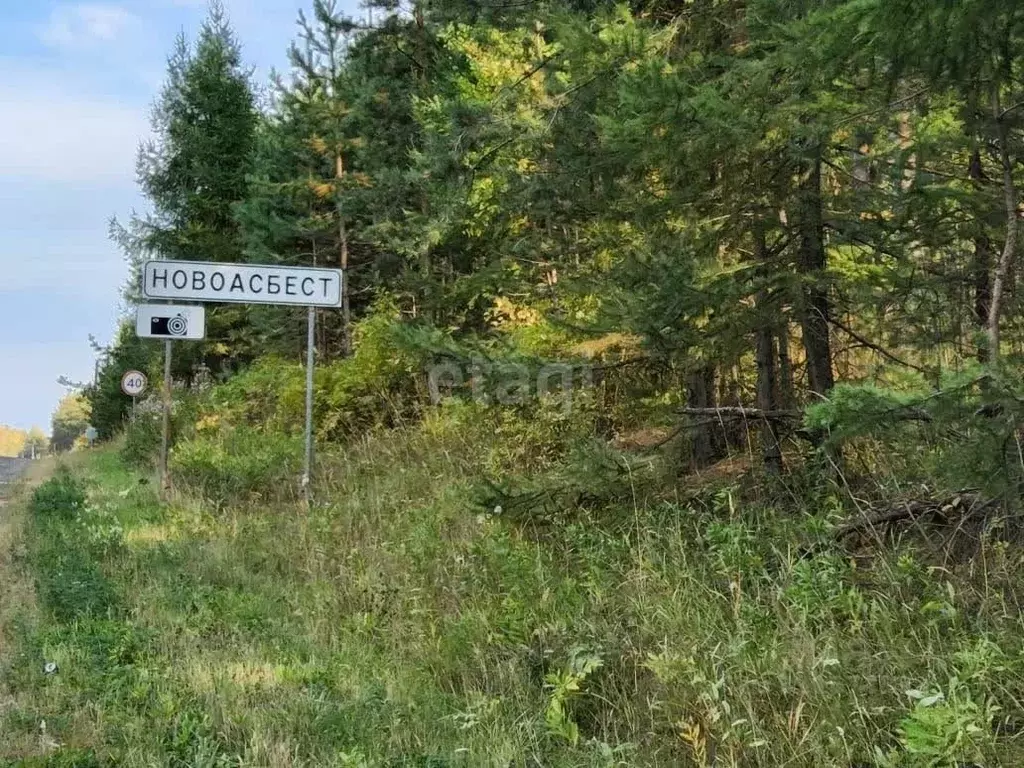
(241, 283)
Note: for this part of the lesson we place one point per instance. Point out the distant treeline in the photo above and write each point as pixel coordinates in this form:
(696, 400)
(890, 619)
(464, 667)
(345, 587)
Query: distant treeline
(18, 442)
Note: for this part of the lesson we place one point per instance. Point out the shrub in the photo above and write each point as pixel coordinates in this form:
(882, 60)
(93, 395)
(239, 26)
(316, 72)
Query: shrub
(60, 497)
(965, 432)
(945, 730)
(238, 465)
(142, 442)
(378, 386)
(252, 398)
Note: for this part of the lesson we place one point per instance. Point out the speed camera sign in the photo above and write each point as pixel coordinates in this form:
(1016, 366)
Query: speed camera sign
(133, 383)
(173, 323)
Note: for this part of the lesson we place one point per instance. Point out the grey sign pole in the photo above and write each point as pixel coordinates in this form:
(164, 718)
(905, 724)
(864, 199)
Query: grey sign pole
(308, 465)
(165, 475)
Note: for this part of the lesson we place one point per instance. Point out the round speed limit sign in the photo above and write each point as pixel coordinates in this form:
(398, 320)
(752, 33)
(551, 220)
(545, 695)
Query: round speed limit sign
(133, 383)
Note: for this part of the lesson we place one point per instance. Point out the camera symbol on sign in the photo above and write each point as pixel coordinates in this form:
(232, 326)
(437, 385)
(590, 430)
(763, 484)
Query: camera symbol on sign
(176, 325)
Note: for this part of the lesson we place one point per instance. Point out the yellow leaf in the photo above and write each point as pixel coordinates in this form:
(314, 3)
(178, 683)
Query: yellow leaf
(317, 144)
(321, 189)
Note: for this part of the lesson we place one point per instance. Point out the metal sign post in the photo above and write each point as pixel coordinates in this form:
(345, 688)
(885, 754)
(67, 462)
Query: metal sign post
(201, 281)
(165, 438)
(307, 467)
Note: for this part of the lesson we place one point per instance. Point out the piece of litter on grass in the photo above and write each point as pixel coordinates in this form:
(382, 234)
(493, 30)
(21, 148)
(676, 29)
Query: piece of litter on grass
(50, 668)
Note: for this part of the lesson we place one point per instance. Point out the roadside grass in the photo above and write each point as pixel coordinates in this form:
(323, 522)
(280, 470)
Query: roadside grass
(18, 608)
(405, 621)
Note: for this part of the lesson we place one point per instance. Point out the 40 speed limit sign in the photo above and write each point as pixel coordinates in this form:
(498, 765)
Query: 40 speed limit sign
(133, 383)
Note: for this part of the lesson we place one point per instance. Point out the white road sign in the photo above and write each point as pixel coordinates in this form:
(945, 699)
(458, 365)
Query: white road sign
(241, 283)
(170, 321)
(133, 383)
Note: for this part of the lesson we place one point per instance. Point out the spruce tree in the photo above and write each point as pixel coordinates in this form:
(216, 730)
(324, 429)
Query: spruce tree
(194, 172)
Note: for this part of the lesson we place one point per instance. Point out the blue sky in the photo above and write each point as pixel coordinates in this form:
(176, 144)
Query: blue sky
(77, 81)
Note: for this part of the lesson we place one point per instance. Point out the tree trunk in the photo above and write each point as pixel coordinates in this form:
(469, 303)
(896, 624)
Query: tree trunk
(427, 301)
(787, 397)
(764, 354)
(705, 445)
(1010, 245)
(982, 265)
(346, 312)
(861, 160)
(906, 138)
(814, 305)
(731, 434)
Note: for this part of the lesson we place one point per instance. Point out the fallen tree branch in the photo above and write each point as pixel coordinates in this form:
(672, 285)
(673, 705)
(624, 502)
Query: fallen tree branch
(622, 363)
(964, 502)
(715, 416)
(738, 412)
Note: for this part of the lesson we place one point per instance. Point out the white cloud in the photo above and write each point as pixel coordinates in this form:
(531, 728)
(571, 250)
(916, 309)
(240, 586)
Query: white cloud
(56, 134)
(85, 24)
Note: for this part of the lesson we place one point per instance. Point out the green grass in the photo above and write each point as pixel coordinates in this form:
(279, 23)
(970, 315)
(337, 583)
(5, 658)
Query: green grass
(400, 624)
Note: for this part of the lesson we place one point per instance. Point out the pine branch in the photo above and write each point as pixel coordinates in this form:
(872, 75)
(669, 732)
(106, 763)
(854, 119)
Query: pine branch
(890, 105)
(526, 76)
(879, 349)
